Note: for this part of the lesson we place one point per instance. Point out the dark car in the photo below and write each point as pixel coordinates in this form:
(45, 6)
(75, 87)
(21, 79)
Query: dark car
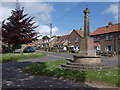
(29, 49)
(99, 52)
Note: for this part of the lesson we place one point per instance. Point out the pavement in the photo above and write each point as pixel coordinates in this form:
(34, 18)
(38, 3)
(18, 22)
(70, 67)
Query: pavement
(13, 77)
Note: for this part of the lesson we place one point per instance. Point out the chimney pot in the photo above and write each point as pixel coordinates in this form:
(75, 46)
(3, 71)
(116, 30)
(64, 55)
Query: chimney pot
(110, 23)
(81, 28)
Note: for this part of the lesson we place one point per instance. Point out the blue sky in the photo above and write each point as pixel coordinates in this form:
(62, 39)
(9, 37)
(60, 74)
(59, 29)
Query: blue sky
(66, 16)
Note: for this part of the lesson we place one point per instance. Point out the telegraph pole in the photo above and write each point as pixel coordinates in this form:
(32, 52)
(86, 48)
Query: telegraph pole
(50, 30)
(50, 34)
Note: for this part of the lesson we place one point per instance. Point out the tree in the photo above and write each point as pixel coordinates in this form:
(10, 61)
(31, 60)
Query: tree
(19, 28)
(45, 37)
(58, 37)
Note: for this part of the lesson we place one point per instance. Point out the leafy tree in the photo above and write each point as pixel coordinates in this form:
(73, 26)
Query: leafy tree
(19, 28)
(45, 37)
(53, 36)
(58, 37)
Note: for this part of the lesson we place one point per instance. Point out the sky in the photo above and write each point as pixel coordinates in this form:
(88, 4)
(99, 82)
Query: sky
(64, 16)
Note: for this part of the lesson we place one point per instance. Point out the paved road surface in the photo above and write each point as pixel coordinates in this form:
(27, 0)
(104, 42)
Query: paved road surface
(111, 61)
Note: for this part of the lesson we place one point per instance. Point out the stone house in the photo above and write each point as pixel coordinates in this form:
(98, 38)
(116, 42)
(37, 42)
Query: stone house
(107, 38)
(74, 38)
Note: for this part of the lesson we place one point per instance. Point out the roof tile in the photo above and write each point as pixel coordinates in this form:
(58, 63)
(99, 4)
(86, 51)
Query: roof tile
(107, 29)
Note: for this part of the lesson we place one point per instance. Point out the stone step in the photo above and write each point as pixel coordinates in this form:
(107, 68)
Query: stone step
(81, 64)
(86, 67)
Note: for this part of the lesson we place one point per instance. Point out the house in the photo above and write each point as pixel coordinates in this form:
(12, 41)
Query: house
(45, 43)
(52, 41)
(62, 41)
(107, 38)
(74, 38)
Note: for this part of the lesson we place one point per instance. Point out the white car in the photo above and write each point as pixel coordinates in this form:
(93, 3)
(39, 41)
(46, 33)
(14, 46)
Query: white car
(18, 50)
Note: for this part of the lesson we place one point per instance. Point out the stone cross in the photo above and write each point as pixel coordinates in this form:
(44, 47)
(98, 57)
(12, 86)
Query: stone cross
(86, 22)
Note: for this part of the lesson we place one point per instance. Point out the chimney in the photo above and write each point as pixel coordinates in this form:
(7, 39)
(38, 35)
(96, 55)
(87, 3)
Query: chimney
(81, 28)
(110, 23)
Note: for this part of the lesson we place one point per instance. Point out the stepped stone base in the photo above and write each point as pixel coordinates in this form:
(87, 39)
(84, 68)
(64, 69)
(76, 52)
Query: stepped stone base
(86, 59)
(83, 66)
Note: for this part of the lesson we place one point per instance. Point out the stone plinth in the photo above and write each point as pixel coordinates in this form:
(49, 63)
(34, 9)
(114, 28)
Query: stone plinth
(87, 46)
(86, 59)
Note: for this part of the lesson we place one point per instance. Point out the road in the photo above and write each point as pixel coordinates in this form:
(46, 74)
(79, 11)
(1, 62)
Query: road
(111, 61)
(13, 77)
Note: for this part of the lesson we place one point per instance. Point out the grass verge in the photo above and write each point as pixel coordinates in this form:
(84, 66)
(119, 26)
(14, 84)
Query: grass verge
(19, 56)
(50, 68)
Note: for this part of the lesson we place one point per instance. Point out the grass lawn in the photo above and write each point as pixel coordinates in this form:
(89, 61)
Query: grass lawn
(50, 68)
(72, 53)
(19, 56)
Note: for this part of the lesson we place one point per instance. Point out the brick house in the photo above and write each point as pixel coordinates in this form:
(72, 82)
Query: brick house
(107, 38)
(74, 38)
(62, 41)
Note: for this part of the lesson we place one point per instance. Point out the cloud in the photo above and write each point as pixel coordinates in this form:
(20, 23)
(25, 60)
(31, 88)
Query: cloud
(112, 9)
(45, 30)
(41, 11)
(5, 12)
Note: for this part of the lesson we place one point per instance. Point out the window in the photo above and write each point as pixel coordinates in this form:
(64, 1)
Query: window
(69, 41)
(96, 39)
(109, 37)
(76, 40)
(108, 48)
(63, 40)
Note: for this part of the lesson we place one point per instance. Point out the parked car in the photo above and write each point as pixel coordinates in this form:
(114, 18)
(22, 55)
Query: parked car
(29, 49)
(112, 53)
(18, 51)
(99, 52)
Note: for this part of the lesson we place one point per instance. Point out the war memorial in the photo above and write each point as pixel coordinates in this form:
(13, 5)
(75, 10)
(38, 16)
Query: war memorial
(86, 58)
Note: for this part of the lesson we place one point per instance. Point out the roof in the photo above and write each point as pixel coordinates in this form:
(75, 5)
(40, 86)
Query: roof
(63, 37)
(107, 29)
(80, 32)
(96, 44)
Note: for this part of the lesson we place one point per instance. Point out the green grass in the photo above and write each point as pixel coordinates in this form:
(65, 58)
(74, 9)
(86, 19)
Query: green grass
(72, 53)
(19, 56)
(50, 69)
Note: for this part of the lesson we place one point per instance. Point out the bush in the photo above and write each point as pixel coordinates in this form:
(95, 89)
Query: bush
(52, 48)
(70, 49)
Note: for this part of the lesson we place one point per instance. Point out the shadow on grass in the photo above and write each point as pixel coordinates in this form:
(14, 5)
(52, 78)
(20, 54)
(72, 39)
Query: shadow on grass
(63, 74)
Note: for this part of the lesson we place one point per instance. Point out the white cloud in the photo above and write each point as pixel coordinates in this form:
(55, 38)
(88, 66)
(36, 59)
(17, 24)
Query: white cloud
(112, 9)
(41, 11)
(45, 30)
(5, 12)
